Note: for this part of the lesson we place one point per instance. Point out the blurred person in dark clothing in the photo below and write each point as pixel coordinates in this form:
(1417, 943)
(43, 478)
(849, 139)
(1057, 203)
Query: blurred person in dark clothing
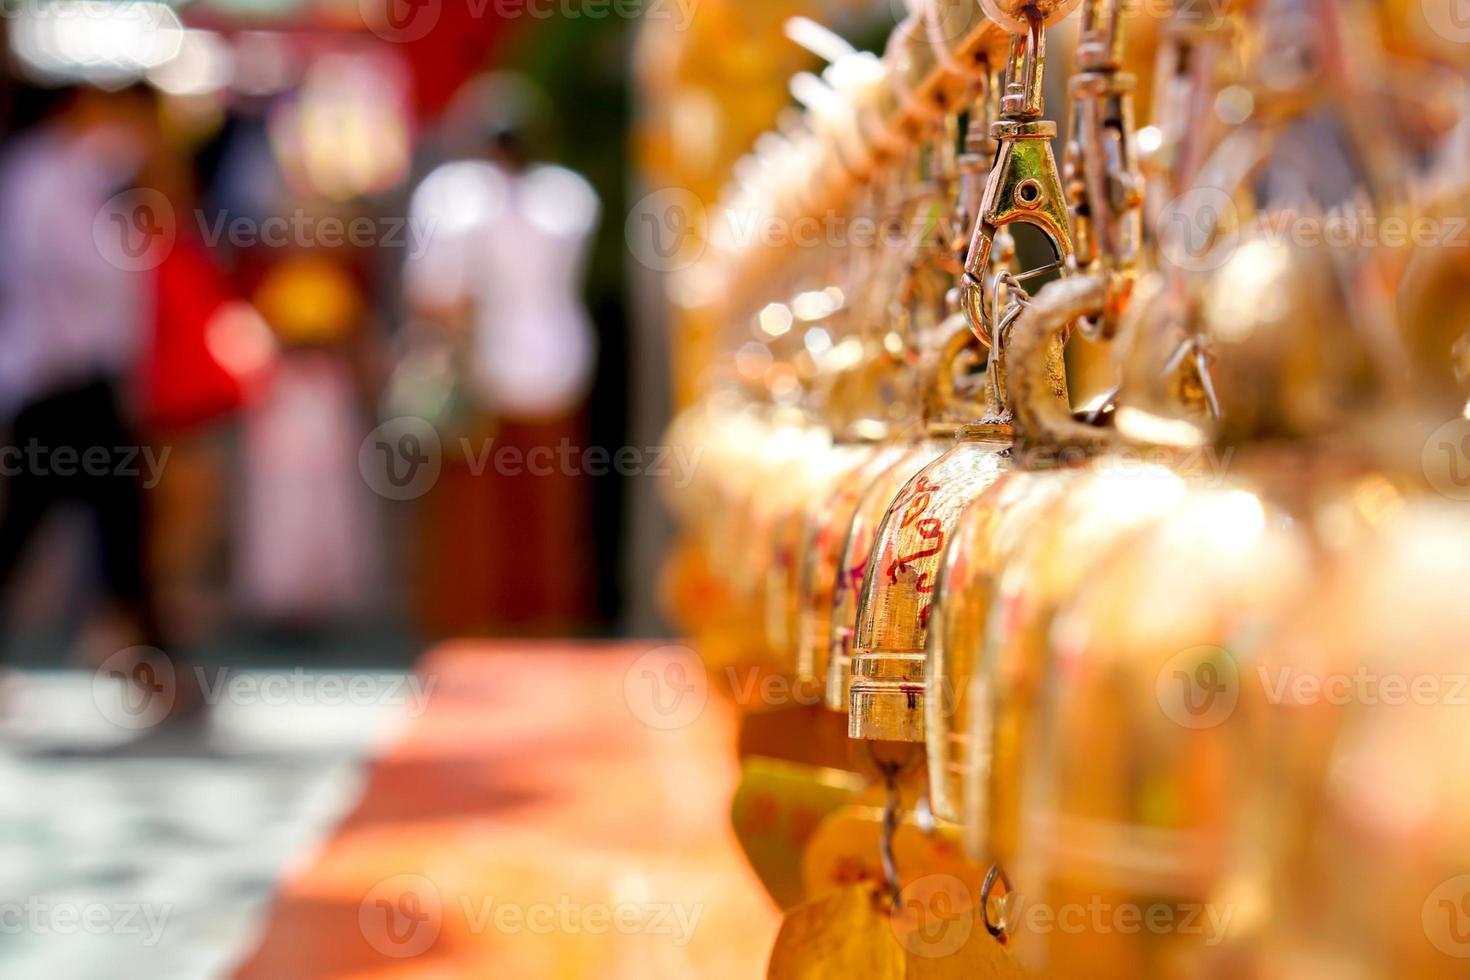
(73, 316)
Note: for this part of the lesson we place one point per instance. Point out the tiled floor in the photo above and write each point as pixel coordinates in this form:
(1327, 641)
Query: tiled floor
(157, 856)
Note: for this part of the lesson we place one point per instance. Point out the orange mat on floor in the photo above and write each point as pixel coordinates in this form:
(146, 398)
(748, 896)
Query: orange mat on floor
(530, 826)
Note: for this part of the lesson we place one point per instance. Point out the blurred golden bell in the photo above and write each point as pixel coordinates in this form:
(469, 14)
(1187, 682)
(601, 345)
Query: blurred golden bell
(1282, 360)
(986, 535)
(828, 524)
(1142, 746)
(1434, 309)
(1028, 554)
(803, 492)
(1366, 807)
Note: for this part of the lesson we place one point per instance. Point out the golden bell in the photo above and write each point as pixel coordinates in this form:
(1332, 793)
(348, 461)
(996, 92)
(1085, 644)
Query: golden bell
(984, 538)
(828, 523)
(1024, 548)
(1143, 745)
(701, 588)
(887, 692)
(803, 494)
(856, 547)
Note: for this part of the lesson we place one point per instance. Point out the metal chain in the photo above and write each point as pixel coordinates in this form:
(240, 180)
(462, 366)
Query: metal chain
(1191, 56)
(891, 771)
(1103, 182)
(891, 814)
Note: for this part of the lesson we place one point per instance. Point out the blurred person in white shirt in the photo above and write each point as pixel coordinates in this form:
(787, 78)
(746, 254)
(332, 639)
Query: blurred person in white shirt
(499, 268)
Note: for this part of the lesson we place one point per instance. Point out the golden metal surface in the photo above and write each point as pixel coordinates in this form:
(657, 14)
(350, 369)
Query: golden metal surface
(887, 692)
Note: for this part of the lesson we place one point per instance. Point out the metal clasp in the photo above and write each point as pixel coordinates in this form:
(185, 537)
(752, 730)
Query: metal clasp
(1024, 187)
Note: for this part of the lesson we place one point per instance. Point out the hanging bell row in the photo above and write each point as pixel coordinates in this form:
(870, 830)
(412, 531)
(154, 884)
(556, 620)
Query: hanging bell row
(1105, 529)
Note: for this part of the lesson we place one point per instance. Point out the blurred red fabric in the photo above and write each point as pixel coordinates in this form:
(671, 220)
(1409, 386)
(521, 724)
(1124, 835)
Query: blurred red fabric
(183, 384)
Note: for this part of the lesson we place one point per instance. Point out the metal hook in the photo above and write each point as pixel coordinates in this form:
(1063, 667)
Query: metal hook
(998, 928)
(1024, 187)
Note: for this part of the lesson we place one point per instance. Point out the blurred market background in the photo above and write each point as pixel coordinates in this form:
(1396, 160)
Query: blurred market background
(356, 306)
